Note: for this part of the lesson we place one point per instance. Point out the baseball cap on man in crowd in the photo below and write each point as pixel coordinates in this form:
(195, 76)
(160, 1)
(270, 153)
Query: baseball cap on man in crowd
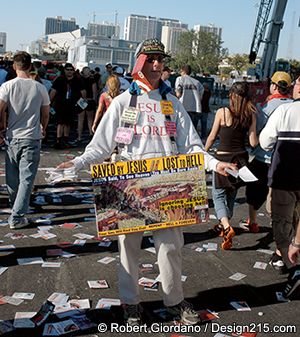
(118, 70)
(151, 46)
(282, 79)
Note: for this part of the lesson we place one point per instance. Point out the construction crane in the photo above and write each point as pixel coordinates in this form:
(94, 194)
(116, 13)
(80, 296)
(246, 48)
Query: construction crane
(275, 25)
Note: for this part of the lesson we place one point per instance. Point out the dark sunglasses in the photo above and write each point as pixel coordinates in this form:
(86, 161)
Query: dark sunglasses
(158, 58)
(69, 69)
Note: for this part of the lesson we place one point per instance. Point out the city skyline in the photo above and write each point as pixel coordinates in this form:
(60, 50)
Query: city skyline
(231, 15)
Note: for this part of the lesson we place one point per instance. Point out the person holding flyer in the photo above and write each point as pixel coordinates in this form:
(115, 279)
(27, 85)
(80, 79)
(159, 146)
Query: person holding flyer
(146, 121)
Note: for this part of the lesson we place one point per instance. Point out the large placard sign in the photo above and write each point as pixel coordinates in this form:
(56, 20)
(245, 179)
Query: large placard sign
(149, 194)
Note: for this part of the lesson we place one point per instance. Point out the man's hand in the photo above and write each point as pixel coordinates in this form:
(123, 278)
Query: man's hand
(293, 254)
(65, 165)
(221, 166)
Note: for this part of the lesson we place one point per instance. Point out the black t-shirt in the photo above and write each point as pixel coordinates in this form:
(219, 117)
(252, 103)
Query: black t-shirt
(88, 86)
(67, 90)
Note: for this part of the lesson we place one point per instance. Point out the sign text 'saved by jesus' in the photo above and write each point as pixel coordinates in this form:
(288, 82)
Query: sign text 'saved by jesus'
(150, 194)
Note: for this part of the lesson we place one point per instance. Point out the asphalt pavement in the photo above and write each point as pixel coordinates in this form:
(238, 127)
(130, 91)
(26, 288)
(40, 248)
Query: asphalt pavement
(205, 273)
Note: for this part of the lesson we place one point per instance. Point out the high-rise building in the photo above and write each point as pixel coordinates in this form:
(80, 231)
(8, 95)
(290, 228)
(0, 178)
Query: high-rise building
(2, 42)
(170, 37)
(103, 29)
(211, 28)
(141, 27)
(60, 25)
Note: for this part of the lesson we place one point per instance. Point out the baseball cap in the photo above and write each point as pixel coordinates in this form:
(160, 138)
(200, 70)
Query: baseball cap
(118, 70)
(151, 46)
(281, 76)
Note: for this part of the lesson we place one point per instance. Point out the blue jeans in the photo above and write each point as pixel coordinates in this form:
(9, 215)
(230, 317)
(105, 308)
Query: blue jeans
(224, 199)
(21, 161)
(203, 117)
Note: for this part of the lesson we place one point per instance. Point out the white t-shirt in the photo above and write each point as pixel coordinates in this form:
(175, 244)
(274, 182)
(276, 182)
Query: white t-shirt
(150, 137)
(191, 92)
(24, 98)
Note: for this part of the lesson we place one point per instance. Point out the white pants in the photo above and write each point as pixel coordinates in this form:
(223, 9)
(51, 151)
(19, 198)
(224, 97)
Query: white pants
(168, 244)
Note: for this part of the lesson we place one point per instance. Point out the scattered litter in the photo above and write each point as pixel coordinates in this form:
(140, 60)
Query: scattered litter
(51, 264)
(23, 296)
(60, 328)
(106, 303)
(3, 269)
(67, 255)
(23, 320)
(207, 315)
(237, 276)
(58, 298)
(83, 236)
(30, 260)
(11, 300)
(106, 260)
(240, 306)
(146, 267)
(61, 175)
(260, 265)
(73, 225)
(210, 247)
(7, 247)
(79, 242)
(147, 282)
(44, 312)
(99, 284)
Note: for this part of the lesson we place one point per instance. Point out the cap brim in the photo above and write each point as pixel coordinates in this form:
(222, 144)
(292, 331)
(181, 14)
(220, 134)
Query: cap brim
(154, 52)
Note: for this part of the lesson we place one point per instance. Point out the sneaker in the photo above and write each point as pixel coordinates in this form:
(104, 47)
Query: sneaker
(229, 233)
(132, 314)
(23, 223)
(244, 224)
(184, 310)
(277, 263)
(249, 227)
(292, 288)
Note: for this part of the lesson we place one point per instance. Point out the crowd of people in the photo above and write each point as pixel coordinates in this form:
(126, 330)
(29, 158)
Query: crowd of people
(271, 130)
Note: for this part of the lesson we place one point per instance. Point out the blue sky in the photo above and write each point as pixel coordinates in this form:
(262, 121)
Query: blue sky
(236, 17)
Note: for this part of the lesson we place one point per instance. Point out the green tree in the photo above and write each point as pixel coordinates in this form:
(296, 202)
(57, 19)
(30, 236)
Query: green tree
(201, 50)
(239, 62)
(185, 55)
(208, 51)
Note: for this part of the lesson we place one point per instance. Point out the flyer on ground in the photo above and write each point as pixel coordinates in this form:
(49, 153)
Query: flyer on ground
(149, 194)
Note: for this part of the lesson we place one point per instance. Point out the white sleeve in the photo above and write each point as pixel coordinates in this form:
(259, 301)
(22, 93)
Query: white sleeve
(45, 95)
(268, 135)
(102, 144)
(4, 93)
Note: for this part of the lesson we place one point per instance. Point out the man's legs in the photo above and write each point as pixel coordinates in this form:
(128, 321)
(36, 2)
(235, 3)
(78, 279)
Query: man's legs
(129, 248)
(27, 159)
(12, 171)
(80, 124)
(168, 244)
(203, 117)
(283, 204)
